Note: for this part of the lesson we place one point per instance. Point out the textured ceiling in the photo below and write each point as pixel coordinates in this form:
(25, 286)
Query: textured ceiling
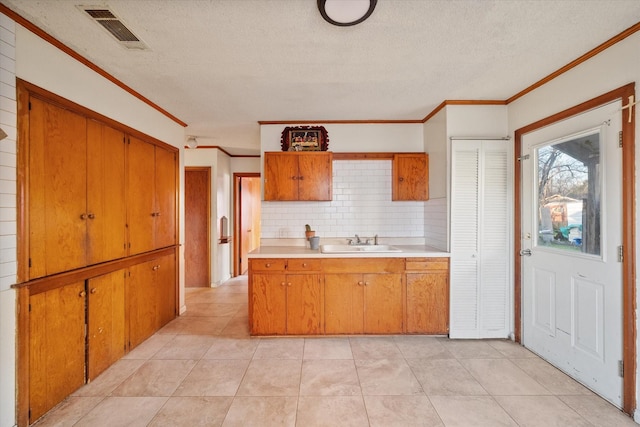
(223, 65)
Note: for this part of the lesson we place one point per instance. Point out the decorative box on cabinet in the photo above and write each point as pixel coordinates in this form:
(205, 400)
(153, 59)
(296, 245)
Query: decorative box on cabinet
(285, 297)
(290, 176)
(427, 295)
(76, 212)
(410, 176)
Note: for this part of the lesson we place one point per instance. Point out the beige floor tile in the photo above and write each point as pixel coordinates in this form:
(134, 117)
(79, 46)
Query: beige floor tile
(598, 411)
(470, 349)
(271, 377)
(174, 327)
(203, 325)
(148, 348)
(541, 411)
(123, 411)
(156, 378)
(197, 309)
(107, 381)
(327, 348)
(554, 380)
(189, 347)
(401, 411)
(421, 347)
(213, 378)
(471, 411)
(375, 348)
(445, 377)
(232, 348)
(502, 377)
(331, 411)
(68, 412)
(322, 377)
(238, 327)
(262, 411)
(279, 348)
(511, 349)
(192, 412)
(382, 377)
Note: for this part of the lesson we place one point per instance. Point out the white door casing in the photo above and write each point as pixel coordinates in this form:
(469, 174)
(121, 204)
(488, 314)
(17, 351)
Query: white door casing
(572, 284)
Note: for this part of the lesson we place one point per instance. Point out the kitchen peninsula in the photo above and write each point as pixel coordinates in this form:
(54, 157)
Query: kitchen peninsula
(294, 290)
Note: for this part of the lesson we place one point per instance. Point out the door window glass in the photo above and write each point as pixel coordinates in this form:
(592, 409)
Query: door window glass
(568, 194)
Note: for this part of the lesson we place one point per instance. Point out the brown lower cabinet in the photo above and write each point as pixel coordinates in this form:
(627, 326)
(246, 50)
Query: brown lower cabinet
(427, 296)
(79, 329)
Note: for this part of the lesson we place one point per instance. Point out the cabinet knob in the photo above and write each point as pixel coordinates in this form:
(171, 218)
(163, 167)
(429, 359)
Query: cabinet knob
(153, 214)
(401, 179)
(294, 177)
(83, 216)
(366, 283)
(91, 216)
(156, 267)
(360, 283)
(267, 265)
(157, 213)
(289, 284)
(304, 264)
(82, 294)
(94, 290)
(282, 284)
(301, 178)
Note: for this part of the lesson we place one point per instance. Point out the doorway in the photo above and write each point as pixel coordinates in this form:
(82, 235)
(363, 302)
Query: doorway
(575, 280)
(197, 248)
(246, 218)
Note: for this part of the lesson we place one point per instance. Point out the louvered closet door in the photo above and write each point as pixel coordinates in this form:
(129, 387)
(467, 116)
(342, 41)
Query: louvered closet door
(480, 240)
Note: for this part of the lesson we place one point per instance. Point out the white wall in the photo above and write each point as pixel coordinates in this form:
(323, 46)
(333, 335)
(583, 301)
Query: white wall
(436, 208)
(8, 225)
(613, 68)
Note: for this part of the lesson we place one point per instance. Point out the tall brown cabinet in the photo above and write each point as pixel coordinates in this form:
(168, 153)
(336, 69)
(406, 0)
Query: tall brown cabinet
(97, 247)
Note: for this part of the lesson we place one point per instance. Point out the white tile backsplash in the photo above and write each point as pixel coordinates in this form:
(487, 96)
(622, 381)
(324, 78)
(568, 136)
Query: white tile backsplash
(361, 205)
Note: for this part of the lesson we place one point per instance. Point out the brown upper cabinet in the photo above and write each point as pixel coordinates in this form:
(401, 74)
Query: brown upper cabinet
(410, 176)
(298, 175)
(76, 190)
(151, 196)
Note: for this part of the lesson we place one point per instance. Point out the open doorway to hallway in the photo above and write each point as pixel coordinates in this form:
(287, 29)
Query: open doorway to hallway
(246, 191)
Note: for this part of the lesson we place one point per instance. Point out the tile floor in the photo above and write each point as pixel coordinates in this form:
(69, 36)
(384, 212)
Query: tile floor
(203, 369)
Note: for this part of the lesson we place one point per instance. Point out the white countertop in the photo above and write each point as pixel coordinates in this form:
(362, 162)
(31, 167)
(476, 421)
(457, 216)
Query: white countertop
(304, 252)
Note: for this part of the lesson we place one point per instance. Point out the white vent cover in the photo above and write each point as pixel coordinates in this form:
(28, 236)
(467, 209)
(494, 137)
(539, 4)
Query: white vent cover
(114, 25)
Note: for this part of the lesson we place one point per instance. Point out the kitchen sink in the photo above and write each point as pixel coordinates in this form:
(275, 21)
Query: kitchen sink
(349, 249)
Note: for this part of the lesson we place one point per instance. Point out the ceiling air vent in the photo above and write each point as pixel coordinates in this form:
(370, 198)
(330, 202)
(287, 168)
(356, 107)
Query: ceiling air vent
(110, 22)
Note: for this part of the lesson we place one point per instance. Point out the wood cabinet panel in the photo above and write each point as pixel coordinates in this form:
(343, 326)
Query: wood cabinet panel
(57, 189)
(141, 302)
(140, 195)
(56, 346)
(105, 320)
(304, 304)
(343, 304)
(428, 302)
(269, 304)
(410, 176)
(106, 208)
(383, 311)
(165, 194)
(290, 176)
(165, 280)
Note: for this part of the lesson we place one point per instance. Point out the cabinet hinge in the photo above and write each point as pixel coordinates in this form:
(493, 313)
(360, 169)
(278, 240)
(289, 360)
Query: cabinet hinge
(525, 157)
(620, 253)
(29, 110)
(29, 308)
(620, 139)
(620, 368)
(29, 262)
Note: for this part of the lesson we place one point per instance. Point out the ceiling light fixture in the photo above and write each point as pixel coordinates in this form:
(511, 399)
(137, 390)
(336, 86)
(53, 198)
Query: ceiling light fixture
(192, 142)
(344, 13)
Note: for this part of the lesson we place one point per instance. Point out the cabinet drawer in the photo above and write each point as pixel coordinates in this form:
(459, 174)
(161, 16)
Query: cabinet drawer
(303, 264)
(427, 263)
(267, 264)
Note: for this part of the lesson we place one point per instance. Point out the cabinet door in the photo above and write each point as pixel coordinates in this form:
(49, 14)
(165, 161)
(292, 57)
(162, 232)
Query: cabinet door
(57, 189)
(106, 340)
(56, 346)
(106, 209)
(428, 302)
(166, 289)
(280, 176)
(315, 176)
(383, 303)
(140, 195)
(410, 177)
(304, 304)
(165, 192)
(343, 303)
(141, 302)
(268, 294)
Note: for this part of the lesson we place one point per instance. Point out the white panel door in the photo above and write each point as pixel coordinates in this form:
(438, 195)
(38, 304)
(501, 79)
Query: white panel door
(480, 239)
(571, 216)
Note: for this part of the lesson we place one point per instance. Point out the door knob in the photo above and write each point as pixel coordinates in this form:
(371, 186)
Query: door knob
(525, 252)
